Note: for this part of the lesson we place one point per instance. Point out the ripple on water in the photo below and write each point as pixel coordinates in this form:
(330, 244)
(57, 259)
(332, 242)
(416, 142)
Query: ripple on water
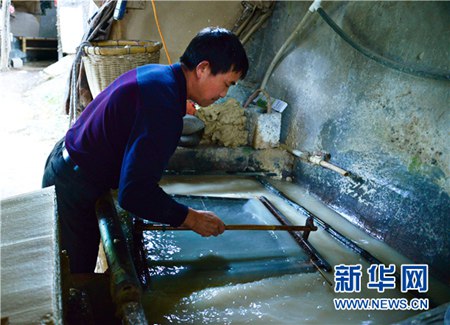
(290, 299)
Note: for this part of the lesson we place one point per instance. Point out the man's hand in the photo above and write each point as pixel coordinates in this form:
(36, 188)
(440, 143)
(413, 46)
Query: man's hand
(205, 223)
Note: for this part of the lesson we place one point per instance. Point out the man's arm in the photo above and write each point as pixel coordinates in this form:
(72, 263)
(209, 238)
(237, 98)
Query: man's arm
(150, 146)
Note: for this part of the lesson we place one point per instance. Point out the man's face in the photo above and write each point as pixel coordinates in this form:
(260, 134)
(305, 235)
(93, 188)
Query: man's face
(209, 87)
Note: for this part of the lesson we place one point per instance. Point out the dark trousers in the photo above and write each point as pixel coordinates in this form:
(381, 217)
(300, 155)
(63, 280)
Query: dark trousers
(76, 195)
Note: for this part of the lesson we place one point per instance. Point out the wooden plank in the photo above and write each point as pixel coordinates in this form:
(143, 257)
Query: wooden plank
(38, 44)
(24, 45)
(41, 48)
(30, 279)
(38, 38)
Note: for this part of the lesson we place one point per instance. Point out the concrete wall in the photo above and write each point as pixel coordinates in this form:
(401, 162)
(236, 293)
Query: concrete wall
(179, 21)
(48, 24)
(388, 128)
(31, 21)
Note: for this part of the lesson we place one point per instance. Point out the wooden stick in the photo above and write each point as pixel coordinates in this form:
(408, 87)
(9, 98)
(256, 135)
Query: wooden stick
(233, 227)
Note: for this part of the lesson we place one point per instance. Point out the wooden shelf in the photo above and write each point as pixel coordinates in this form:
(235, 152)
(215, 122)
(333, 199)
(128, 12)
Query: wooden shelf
(38, 44)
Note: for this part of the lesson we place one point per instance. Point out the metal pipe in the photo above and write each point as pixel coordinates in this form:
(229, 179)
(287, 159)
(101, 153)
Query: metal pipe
(307, 247)
(330, 283)
(334, 233)
(125, 286)
(189, 172)
(317, 159)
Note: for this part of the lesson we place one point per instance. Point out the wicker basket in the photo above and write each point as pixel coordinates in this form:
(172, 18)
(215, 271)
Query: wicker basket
(106, 60)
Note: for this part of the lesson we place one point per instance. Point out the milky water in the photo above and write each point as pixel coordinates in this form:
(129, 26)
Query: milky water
(302, 297)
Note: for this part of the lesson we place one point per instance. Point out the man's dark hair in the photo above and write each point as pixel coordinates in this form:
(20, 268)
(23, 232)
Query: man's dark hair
(220, 47)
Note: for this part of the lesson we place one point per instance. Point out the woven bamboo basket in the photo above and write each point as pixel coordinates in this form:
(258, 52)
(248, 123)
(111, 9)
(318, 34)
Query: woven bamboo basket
(106, 60)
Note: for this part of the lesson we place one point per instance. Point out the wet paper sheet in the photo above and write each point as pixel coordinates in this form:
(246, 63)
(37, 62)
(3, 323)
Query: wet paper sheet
(233, 257)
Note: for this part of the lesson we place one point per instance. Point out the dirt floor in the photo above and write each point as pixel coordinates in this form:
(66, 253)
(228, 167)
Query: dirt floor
(32, 120)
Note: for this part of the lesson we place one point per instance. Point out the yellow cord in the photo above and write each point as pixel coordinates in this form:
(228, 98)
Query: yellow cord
(160, 34)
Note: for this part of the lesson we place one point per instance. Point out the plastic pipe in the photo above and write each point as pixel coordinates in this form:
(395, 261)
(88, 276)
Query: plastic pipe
(280, 52)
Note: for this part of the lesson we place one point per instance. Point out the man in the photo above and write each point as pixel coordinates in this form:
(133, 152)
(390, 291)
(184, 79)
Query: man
(126, 136)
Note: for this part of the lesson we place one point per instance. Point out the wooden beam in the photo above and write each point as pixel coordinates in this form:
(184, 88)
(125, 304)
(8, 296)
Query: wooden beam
(237, 227)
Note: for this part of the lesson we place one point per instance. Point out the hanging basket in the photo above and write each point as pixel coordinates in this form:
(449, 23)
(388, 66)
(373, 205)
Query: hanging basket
(106, 60)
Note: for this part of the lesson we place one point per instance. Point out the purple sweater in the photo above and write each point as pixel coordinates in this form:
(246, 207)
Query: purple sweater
(127, 134)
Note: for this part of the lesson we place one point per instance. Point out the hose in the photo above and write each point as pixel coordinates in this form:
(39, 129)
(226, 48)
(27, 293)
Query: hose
(280, 52)
(380, 59)
(160, 33)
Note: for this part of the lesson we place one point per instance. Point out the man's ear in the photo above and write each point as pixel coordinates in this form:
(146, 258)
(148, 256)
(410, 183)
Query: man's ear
(203, 69)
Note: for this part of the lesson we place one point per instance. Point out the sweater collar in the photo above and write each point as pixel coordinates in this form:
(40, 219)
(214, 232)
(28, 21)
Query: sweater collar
(181, 81)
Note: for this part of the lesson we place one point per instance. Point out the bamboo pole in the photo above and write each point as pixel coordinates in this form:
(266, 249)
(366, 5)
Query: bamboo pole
(235, 227)
(125, 286)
